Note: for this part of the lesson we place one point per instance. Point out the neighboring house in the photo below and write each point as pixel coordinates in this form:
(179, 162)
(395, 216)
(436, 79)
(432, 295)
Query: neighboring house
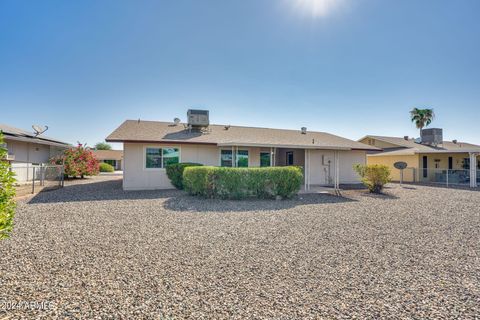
(427, 161)
(26, 149)
(112, 157)
(150, 145)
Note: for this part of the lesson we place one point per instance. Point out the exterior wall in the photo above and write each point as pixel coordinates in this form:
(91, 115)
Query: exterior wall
(414, 171)
(409, 174)
(378, 143)
(298, 157)
(322, 166)
(438, 162)
(136, 177)
(28, 152)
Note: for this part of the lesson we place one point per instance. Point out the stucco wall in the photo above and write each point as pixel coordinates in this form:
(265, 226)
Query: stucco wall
(322, 173)
(414, 171)
(136, 177)
(378, 143)
(28, 152)
(409, 174)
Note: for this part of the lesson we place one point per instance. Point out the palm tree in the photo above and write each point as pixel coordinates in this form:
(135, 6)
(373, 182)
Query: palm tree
(422, 118)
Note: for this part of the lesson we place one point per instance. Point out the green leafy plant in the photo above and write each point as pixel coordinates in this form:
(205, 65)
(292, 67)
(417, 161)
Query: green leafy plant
(240, 183)
(105, 167)
(103, 146)
(175, 172)
(7, 193)
(78, 161)
(374, 176)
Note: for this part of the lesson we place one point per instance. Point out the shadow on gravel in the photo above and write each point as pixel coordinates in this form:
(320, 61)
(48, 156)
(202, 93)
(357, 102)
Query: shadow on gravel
(381, 196)
(99, 191)
(185, 202)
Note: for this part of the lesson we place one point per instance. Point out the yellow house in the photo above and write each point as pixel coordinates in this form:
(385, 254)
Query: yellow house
(447, 162)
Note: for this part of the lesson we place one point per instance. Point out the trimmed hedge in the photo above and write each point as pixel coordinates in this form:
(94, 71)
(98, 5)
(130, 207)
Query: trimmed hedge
(240, 183)
(175, 172)
(106, 167)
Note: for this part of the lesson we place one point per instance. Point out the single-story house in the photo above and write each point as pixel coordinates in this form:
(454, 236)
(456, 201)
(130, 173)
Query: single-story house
(112, 157)
(27, 149)
(149, 146)
(438, 162)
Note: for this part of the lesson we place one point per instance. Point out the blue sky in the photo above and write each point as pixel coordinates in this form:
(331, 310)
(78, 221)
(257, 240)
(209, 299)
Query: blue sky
(348, 67)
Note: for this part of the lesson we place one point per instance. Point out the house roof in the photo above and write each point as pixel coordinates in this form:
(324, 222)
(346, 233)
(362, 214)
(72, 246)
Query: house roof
(12, 133)
(221, 135)
(108, 154)
(410, 147)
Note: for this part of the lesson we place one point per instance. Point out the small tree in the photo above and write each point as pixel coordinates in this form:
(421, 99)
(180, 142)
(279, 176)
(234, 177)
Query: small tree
(78, 162)
(103, 146)
(7, 193)
(374, 176)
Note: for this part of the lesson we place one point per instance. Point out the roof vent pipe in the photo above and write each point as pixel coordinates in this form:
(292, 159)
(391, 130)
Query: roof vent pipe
(304, 130)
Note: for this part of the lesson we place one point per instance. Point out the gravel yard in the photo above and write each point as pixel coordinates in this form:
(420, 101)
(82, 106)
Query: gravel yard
(93, 251)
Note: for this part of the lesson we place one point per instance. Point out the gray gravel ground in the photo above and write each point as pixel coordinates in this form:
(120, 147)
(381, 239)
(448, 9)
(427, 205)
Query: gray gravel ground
(94, 251)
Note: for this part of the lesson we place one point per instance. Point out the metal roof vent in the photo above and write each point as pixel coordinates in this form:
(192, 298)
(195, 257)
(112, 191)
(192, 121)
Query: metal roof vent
(304, 130)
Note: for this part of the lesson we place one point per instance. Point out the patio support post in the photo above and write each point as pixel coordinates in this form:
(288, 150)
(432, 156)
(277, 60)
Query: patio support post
(308, 169)
(336, 174)
(473, 169)
(271, 157)
(305, 170)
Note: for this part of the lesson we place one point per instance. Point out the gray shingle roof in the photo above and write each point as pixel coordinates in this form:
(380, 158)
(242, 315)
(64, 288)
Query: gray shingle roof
(409, 146)
(23, 135)
(166, 132)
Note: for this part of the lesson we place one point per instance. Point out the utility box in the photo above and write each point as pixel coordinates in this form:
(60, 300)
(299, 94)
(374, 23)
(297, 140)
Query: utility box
(198, 118)
(432, 136)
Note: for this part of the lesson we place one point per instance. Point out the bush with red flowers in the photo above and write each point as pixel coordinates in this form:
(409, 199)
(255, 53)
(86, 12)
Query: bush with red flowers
(79, 161)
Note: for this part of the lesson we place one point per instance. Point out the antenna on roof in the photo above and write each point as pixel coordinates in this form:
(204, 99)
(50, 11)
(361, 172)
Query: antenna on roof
(39, 129)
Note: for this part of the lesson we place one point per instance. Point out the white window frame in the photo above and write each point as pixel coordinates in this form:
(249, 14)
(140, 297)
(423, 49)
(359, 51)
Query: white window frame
(159, 147)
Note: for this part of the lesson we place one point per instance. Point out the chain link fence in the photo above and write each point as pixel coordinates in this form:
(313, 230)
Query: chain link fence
(33, 178)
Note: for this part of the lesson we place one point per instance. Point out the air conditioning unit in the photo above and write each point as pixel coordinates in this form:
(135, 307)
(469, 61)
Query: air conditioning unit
(198, 118)
(433, 136)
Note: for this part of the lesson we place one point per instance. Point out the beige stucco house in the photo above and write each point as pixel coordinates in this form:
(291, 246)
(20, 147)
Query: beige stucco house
(27, 150)
(150, 145)
(112, 157)
(450, 162)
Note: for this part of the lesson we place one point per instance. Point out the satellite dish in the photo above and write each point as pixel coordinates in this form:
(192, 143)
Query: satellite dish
(176, 121)
(400, 165)
(39, 129)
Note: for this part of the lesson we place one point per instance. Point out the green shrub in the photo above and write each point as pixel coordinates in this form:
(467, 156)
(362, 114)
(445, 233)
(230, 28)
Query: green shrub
(240, 183)
(175, 172)
(374, 176)
(106, 167)
(7, 193)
